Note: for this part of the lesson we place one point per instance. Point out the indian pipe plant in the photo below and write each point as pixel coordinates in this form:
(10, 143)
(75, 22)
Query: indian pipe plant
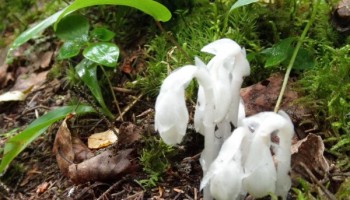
(235, 161)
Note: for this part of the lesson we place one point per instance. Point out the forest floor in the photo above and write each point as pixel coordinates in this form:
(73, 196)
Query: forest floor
(37, 172)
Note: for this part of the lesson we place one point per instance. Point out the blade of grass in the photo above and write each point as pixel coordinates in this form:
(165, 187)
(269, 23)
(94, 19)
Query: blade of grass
(19, 142)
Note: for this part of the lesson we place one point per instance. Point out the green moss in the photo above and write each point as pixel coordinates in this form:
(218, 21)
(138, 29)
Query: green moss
(154, 160)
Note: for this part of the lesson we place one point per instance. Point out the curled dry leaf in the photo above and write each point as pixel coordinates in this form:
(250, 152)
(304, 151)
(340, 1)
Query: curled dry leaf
(103, 167)
(81, 151)
(309, 151)
(63, 148)
(103, 139)
(69, 149)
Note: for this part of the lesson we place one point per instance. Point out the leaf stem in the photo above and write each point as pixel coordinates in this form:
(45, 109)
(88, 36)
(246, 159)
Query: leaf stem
(294, 55)
(113, 94)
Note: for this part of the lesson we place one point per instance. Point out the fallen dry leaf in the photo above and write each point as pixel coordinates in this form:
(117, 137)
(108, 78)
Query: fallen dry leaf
(103, 139)
(263, 97)
(42, 187)
(70, 150)
(15, 95)
(45, 59)
(103, 167)
(63, 148)
(81, 151)
(309, 151)
(24, 81)
(5, 76)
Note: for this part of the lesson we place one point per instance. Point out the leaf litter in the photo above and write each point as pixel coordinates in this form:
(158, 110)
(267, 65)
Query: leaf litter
(80, 165)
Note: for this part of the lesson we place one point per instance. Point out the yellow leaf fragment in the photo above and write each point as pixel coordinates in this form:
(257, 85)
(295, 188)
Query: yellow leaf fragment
(103, 139)
(15, 95)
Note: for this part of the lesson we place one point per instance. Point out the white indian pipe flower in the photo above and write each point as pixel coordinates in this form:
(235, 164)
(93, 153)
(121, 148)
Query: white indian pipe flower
(227, 69)
(283, 156)
(220, 68)
(260, 173)
(200, 106)
(171, 115)
(226, 172)
(258, 164)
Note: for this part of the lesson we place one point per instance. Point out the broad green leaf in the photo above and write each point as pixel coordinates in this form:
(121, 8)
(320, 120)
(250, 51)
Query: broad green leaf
(86, 70)
(69, 49)
(103, 53)
(150, 7)
(102, 34)
(33, 31)
(73, 27)
(241, 3)
(304, 60)
(19, 142)
(278, 52)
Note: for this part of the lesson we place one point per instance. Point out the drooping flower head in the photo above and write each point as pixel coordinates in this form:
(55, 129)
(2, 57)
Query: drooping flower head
(171, 115)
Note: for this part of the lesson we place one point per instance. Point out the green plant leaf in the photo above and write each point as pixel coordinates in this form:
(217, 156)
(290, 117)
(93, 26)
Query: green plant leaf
(103, 53)
(33, 31)
(278, 52)
(19, 142)
(304, 60)
(150, 7)
(73, 27)
(69, 49)
(86, 70)
(102, 34)
(241, 3)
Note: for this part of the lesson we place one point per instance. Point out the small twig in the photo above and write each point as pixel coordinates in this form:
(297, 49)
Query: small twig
(294, 55)
(130, 106)
(315, 180)
(123, 90)
(113, 94)
(172, 40)
(112, 187)
(138, 195)
(195, 192)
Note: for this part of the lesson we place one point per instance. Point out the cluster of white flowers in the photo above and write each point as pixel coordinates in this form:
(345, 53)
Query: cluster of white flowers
(235, 161)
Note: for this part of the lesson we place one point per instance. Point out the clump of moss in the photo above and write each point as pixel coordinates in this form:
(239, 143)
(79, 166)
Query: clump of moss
(326, 90)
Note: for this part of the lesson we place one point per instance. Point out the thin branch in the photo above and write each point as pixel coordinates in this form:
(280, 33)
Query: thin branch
(130, 106)
(315, 180)
(295, 53)
(113, 94)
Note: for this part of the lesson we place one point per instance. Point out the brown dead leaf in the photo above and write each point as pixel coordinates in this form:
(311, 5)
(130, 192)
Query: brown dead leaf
(103, 139)
(103, 167)
(309, 151)
(5, 76)
(42, 187)
(263, 97)
(133, 62)
(69, 149)
(81, 151)
(63, 148)
(25, 81)
(45, 59)
(129, 133)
